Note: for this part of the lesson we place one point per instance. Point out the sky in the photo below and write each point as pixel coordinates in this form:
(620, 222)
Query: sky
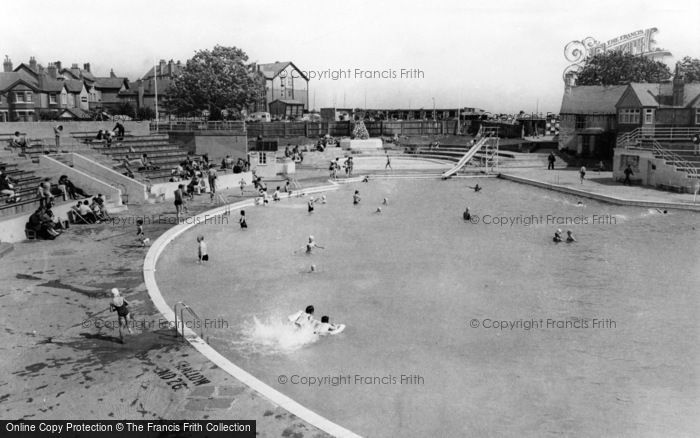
(502, 56)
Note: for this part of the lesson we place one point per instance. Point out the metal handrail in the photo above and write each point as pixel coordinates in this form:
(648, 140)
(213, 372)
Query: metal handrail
(679, 161)
(191, 311)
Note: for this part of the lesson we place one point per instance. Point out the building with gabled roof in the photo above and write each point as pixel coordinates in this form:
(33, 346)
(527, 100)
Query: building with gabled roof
(282, 81)
(588, 119)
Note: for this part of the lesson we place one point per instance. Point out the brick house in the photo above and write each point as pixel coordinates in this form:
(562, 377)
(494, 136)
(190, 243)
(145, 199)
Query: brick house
(588, 120)
(282, 81)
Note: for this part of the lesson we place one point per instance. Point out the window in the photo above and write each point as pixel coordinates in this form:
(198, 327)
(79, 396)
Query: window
(19, 97)
(580, 122)
(52, 99)
(262, 158)
(63, 99)
(83, 99)
(697, 116)
(648, 116)
(29, 96)
(629, 116)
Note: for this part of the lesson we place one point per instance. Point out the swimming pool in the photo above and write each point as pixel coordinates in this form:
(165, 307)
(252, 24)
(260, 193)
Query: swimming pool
(423, 293)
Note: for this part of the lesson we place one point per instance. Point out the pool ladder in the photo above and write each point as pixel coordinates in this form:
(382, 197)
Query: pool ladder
(180, 327)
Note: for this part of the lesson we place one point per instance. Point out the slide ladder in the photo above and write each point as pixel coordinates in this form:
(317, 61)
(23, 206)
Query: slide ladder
(465, 159)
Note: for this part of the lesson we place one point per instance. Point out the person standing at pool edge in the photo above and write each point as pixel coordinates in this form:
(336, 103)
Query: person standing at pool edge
(121, 306)
(356, 198)
(388, 162)
(628, 173)
(242, 220)
(178, 201)
(582, 173)
(202, 250)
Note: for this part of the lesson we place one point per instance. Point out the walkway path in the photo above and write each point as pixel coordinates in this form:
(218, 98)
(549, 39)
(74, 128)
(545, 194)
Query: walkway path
(59, 366)
(602, 186)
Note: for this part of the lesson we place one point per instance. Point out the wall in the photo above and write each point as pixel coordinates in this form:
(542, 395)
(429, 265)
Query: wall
(88, 183)
(45, 129)
(642, 163)
(136, 191)
(217, 144)
(568, 138)
(223, 181)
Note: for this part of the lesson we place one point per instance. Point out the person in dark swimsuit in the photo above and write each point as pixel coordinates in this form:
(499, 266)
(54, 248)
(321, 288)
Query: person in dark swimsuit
(121, 306)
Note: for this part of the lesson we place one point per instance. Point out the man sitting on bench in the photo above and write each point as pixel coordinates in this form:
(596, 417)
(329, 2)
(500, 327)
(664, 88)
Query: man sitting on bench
(18, 141)
(7, 187)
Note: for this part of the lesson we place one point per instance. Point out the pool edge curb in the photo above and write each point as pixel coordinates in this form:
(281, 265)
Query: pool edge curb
(276, 397)
(599, 197)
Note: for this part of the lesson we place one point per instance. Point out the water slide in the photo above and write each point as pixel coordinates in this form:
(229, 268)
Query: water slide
(465, 159)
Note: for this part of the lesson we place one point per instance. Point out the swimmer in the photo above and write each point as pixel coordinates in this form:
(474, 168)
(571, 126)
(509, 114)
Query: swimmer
(276, 195)
(365, 179)
(309, 246)
(356, 197)
(323, 199)
(325, 327)
(664, 211)
(557, 236)
(311, 205)
(580, 204)
(242, 220)
(477, 188)
(569, 237)
(313, 268)
(466, 215)
(242, 183)
(379, 210)
(305, 318)
(385, 201)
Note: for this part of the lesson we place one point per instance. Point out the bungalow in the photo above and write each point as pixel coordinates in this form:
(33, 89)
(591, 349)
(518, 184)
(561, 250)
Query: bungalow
(588, 120)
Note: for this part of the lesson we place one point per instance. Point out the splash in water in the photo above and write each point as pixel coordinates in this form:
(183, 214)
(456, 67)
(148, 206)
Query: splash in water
(274, 335)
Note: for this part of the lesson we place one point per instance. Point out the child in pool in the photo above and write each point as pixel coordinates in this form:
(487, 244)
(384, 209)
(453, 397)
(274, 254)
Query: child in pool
(557, 236)
(202, 250)
(356, 197)
(325, 327)
(305, 318)
(242, 220)
(569, 237)
(311, 245)
(310, 205)
(140, 235)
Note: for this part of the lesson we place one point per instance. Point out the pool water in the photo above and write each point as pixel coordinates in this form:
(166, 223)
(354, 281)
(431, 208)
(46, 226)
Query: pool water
(409, 283)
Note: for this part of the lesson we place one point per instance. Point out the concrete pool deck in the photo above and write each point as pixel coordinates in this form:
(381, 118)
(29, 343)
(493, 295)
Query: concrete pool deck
(602, 187)
(58, 365)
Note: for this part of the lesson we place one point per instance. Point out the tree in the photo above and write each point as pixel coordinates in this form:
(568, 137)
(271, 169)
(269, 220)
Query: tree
(213, 81)
(690, 67)
(360, 131)
(617, 68)
(145, 113)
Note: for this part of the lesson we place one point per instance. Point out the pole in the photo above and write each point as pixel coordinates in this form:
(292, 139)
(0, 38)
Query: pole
(155, 81)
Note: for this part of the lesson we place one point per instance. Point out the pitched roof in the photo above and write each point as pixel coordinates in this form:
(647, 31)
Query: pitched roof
(591, 99)
(74, 85)
(110, 82)
(647, 93)
(76, 113)
(273, 69)
(691, 95)
(163, 72)
(79, 73)
(8, 79)
(49, 84)
(287, 102)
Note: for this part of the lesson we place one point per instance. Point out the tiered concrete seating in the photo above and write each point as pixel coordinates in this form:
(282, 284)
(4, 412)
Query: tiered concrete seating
(156, 146)
(26, 184)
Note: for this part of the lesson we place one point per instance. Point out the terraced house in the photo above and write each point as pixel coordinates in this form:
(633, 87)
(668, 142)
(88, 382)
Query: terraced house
(30, 92)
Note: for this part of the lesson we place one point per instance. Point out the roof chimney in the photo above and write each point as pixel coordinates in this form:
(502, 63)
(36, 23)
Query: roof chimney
(58, 65)
(170, 68)
(52, 70)
(86, 67)
(7, 65)
(111, 73)
(32, 63)
(75, 65)
(678, 86)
